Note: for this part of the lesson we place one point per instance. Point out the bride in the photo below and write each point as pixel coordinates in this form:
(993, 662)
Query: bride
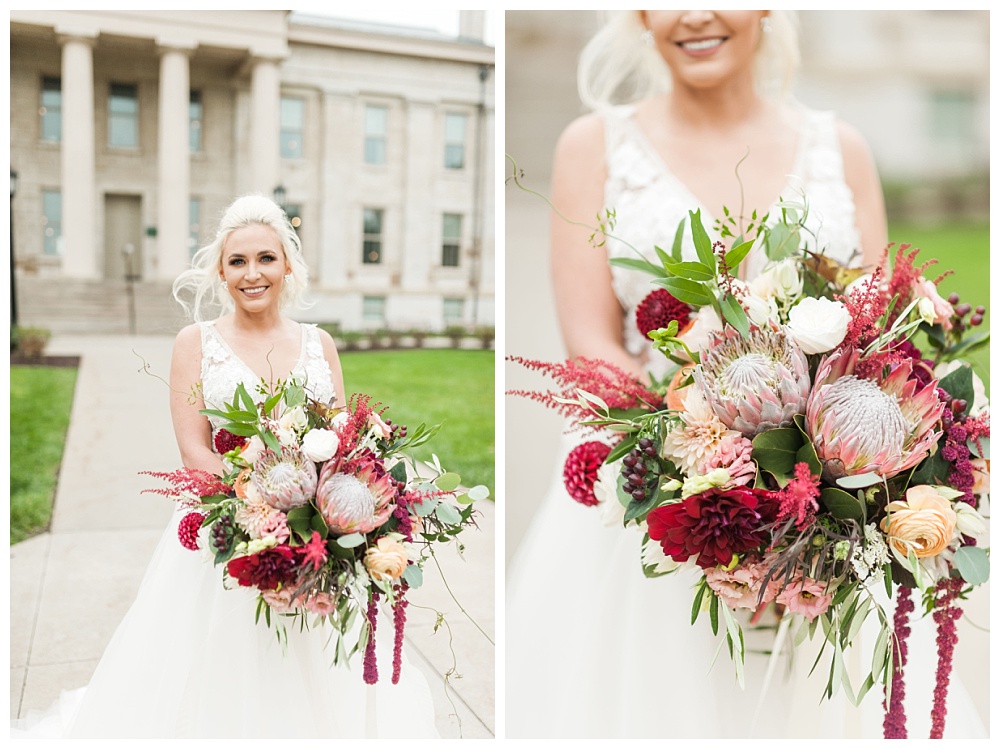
(188, 660)
(600, 651)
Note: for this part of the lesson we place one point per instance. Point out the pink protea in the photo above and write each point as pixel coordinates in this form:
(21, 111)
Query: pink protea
(187, 530)
(754, 383)
(285, 480)
(860, 425)
(356, 501)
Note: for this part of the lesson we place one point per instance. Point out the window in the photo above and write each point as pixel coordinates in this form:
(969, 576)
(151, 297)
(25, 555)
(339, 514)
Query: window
(293, 118)
(453, 311)
(194, 122)
(952, 115)
(454, 141)
(376, 126)
(372, 248)
(52, 222)
(123, 116)
(451, 239)
(373, 309)
(194, 226)
(50, 110)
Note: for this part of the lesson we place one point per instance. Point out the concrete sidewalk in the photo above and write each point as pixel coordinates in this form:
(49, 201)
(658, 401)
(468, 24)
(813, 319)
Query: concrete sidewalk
(120, 425)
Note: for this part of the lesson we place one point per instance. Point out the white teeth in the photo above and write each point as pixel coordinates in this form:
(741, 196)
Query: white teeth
(702, 44)
(255, 291)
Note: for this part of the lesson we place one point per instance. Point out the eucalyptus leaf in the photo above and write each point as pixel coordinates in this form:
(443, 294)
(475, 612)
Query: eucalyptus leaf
(425, 508)
(782, 242)
(448, 482)
(447, 514)
(973, 564)
(984, 442)
(351, 540)
(413, 575)
(479, 492)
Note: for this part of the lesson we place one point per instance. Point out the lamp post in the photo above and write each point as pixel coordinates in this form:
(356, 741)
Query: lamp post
(13, 282)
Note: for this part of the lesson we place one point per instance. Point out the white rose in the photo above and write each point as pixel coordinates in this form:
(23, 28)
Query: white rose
(706, 322)
(781, 282)
(818, 325)
(286, 437)
(320, 444)
(253, 450)
(295, 419)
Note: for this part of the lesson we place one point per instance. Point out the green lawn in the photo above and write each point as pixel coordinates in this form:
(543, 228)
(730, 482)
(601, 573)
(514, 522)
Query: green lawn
(40, 403)
(454, 388)
(965, 249)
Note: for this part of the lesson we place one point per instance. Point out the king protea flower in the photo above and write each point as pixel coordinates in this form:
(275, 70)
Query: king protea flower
(862, 426)
(755, 383)
(285, 480)
(354, 502)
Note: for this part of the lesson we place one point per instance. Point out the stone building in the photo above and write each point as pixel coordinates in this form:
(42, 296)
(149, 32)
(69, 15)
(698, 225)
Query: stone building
(132, 130)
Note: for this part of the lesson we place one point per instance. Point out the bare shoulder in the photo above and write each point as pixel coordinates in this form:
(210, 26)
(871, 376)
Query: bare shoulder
(329, 346)
(853, 147)
(188, 340)
(582, 138)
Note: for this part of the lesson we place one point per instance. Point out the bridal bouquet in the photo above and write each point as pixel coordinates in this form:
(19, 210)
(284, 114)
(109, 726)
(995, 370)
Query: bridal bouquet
(321, 513)
(801, 451)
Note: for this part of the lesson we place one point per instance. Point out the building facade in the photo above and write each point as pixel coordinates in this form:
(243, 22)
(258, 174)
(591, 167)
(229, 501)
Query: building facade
(131, 131)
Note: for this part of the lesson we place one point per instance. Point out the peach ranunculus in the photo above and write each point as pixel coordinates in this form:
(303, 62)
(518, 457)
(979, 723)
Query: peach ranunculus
(387, 559)
(924, 521)
(241, 482)
(675, 392)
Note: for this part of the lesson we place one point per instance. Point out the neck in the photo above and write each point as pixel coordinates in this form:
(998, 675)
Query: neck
(719, 107)
(257, 323)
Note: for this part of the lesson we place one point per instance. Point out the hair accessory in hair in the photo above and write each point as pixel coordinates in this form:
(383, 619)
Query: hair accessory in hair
(647, 37)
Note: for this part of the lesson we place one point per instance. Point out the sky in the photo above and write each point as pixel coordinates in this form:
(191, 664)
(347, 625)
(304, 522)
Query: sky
(444, 21)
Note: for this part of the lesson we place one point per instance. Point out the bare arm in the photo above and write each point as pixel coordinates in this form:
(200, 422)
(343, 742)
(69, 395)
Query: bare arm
(862, 177)
(336, 373)
(590, 315)
(192, 429)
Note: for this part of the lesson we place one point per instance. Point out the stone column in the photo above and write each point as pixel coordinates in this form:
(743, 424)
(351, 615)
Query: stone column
(79, 199)
(423, 162)
(265, 104)
(173, 151)
(340, 245)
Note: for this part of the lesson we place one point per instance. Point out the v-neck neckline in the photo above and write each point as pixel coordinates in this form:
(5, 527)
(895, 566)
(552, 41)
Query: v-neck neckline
(708, 219)
(298, 363)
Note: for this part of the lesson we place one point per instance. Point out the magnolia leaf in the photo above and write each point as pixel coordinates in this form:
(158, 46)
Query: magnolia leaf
(807, 454)
(448, 514)
(640, 508)
(735, 315)
(689, 292)
(318, 524)
(775, 451)
(736, 255)
(413, 575)
(271, 402)
(662, 254)
(448, 482)
(271, 441)
(859, 480)
(240, 430)
(351, 540)
(244, 396)
(702, 244)
(933, 470)
(973, 564)
(842, 505)
(958, 384)
(639, 264)
(622, 449)
(692, 271)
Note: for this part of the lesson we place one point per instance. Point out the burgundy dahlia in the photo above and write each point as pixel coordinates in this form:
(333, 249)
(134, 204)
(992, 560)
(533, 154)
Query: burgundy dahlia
(265, 570)
(658, 309)
(187, 530)
(714, 525)
(226, 441)
(580, 470)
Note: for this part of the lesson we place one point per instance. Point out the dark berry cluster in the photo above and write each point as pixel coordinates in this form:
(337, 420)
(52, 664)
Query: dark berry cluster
(964, 310)
(223, 534)
(639, 470)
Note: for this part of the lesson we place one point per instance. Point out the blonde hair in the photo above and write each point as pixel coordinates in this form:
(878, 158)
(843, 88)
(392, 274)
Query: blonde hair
(617, 68)
(198, 289)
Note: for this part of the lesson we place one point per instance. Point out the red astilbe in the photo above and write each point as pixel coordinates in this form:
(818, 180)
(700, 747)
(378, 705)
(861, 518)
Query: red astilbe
(905, 275)
(894, 725)
(314, 552)
(360, 410)
(798, 498)
(187, 483)
(866, 304)
(617, 388)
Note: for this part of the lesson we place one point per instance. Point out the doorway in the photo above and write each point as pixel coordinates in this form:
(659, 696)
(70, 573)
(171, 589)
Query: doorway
(123, 237)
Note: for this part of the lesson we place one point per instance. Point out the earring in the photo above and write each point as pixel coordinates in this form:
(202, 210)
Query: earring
(647, 37)
(765, 24)
(223, 283)
(288, 277)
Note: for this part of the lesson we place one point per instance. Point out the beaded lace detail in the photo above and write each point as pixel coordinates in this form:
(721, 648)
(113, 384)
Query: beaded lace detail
(650, 201)
(222, 370)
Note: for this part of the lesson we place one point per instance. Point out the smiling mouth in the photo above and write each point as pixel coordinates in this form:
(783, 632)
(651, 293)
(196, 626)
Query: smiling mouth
(255, 291)
(701, 45)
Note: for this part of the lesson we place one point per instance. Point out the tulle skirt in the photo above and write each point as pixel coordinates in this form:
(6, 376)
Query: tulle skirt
(596, 650)
(188, 661)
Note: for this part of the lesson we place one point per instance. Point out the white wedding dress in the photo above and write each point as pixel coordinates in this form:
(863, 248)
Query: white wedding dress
(596, 650)
(187, 661)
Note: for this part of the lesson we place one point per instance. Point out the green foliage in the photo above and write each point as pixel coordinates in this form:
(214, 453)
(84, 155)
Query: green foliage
(40, 402)
(453, 388)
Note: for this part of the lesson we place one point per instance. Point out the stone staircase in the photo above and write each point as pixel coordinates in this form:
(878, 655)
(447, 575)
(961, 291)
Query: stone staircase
(67, 306)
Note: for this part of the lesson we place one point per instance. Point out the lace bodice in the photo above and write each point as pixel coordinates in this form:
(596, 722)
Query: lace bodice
(222, 370)
(650, 201)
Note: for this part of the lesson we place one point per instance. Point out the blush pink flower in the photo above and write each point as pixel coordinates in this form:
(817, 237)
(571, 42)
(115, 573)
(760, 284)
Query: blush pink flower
(740, 588)
(733, 452)
(943, 311)
(807, 597)
(321, 604)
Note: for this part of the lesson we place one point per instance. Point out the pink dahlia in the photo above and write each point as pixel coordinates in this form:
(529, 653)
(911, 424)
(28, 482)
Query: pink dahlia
(187, 530)
(657, 311)
(285, 480)
(807, 597)
(580, 470)
(265, 570)
(358, 501)
(861, 425)
(754, 383)
(734, 453)
(714, 525)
